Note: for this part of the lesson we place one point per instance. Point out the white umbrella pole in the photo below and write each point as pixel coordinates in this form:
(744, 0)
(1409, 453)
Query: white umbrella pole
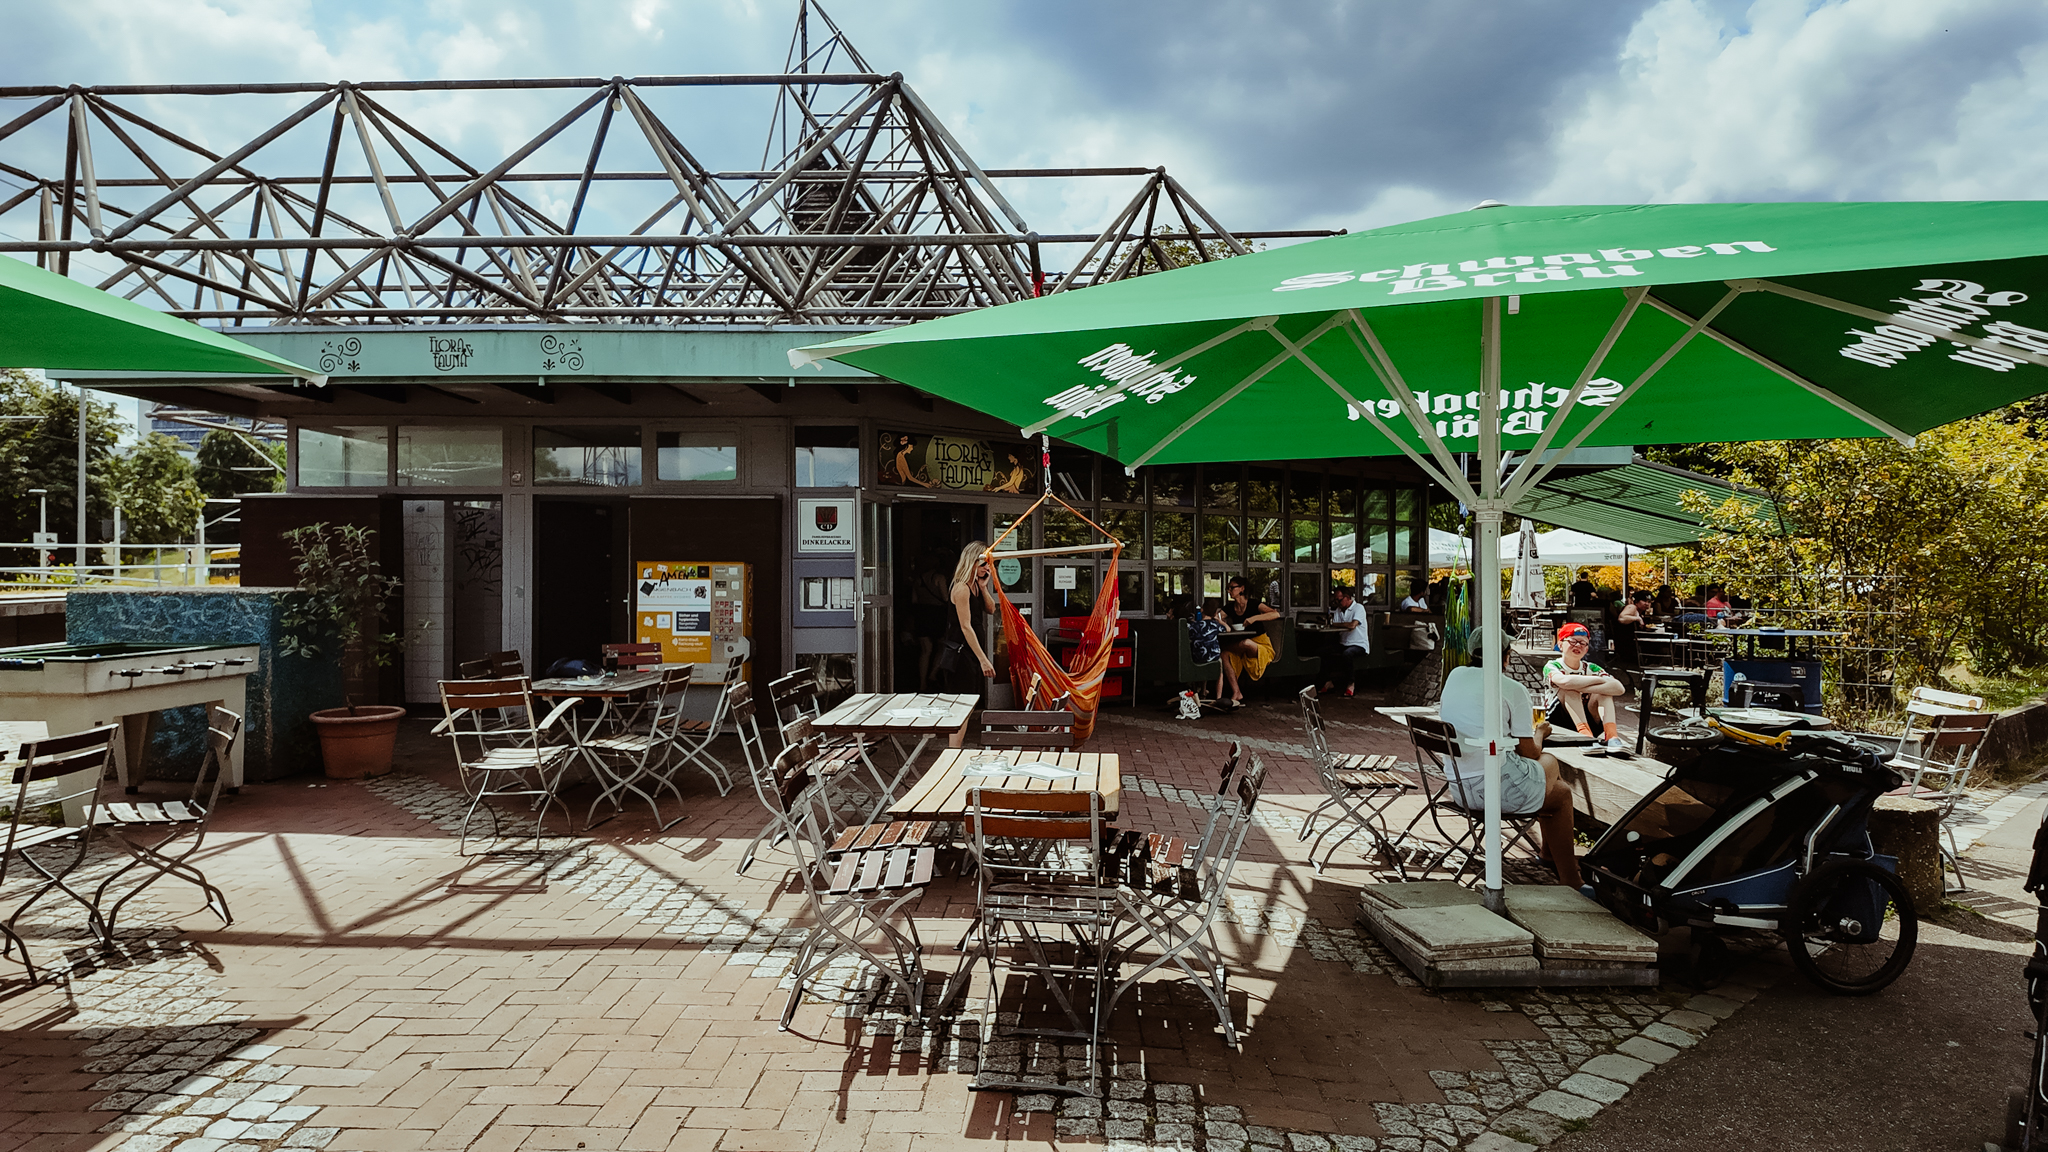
(1486, 588)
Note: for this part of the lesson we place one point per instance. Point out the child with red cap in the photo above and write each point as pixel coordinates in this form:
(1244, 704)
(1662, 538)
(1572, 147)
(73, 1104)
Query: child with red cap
(1584, 687)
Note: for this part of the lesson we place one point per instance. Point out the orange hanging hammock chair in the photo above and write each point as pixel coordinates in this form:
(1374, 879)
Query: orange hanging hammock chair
(1035, 671)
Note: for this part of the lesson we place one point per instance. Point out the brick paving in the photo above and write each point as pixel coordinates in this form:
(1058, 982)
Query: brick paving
(378, 992)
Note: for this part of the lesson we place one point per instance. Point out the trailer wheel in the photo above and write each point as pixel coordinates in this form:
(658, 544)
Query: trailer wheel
(1851, 927)
(1686, 738)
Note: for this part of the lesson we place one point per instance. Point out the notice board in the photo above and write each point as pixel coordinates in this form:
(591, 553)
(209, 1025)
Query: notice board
(700, 612)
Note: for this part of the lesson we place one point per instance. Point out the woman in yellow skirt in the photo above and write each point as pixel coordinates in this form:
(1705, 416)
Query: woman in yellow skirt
(1245, 658)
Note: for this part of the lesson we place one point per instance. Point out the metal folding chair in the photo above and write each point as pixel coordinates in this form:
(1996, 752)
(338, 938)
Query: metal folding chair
(178, 828)
(1182, 895)
(1938, 750)
(1437, 760)
(796, 696)
(1358, 785)
(503, 761)
(1040, 893)
(75, 764)
(856, 895)
(643, 747)
(692, 739)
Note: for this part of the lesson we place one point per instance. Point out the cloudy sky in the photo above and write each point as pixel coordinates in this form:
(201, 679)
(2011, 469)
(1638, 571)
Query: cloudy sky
(1277, 113)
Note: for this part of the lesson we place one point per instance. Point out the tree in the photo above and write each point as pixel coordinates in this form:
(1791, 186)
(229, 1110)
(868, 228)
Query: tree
(1935, 551)
(159, 498)
(43, 453)
(228, 464)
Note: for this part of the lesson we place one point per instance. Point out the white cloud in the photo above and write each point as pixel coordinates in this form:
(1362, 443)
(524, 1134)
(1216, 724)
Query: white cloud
(1857, 99)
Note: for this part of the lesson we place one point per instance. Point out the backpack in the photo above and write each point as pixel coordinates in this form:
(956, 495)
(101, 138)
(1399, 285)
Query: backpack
(1202, 639)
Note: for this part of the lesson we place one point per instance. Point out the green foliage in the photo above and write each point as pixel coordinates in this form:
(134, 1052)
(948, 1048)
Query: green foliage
(43, 453)
(341, 601)
(228, 465)
(153, 484)
(1947, 540)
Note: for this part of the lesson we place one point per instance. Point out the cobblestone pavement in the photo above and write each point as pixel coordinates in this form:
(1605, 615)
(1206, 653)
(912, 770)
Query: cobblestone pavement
(622, 992)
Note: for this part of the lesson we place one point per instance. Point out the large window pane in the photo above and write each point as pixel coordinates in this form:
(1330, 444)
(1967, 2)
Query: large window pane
(1407, 505)
(1343, 495)
(1169, 585)
(451, 457)
(1118, 488)
(1220, 485)
(1015, 574)
(344, 457)
(1372, 587)
(827, 456)
(1306, 545)
(1345, 576)
(1304, 493)
(1405, 539)
(602, 457)
(1068, 601)
(695, 456)
(1376, 505)
(1073, 475)
(1222, 538)
(1173, 536)
(1265, 541)
(1063, 529)
(1382, 552)
(1212, 587)
(1308, 589)
(1265, 584)
(1130, 592)
(1262, 490)
(1021, 538)
(1127, 525)
(1343, 541)
(1173, 486)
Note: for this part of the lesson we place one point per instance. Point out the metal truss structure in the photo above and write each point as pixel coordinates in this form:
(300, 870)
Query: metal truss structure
(345, 206)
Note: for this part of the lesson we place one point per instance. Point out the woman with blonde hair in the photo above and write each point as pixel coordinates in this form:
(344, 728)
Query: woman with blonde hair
(960, 652)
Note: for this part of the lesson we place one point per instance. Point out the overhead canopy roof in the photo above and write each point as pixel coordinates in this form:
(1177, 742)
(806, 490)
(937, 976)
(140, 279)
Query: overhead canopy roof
(1638, 503)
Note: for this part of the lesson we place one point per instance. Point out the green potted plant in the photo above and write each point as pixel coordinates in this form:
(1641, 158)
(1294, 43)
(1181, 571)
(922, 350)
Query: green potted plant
(337, 612)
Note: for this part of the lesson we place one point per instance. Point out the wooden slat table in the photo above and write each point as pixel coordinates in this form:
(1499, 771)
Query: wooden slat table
(897, 715)
(942, 793)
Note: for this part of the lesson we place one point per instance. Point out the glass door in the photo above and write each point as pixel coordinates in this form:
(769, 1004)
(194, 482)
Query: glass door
(877, 601)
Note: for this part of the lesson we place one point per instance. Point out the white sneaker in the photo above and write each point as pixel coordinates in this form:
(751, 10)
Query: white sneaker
(1616, 744)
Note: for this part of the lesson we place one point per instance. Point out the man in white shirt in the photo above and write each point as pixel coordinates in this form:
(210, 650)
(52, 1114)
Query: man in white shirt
(1421, 637)
(1340, 647)
(1529, 779)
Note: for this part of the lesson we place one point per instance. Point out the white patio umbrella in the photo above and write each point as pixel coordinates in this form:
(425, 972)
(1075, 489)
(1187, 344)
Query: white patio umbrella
(1564, 548)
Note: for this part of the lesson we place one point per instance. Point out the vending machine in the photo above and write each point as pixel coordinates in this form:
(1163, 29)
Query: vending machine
(700, 612)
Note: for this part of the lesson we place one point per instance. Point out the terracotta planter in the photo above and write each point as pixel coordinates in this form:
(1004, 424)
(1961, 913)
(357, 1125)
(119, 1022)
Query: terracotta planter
(353, 746)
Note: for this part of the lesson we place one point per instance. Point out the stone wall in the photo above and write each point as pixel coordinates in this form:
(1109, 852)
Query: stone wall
(278, 739)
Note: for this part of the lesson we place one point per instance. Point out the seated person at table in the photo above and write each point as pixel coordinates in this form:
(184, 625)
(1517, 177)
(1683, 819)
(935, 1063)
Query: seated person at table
(1583, 687)
(1529, 780)
(1638, 606)
(1666, 601)
(1421, 637)
(1243, 659)
(1340, 647)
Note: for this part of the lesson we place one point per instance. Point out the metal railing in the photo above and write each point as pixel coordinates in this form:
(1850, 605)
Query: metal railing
(156, 566)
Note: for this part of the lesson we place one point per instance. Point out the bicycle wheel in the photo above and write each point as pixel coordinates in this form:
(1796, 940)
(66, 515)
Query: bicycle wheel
(1850, 927)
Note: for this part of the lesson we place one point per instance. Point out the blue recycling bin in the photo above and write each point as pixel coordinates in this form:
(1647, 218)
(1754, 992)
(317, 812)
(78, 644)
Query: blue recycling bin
(1804, 673)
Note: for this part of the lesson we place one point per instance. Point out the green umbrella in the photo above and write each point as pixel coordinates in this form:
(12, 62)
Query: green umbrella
(56, 323)
(1513, 332)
